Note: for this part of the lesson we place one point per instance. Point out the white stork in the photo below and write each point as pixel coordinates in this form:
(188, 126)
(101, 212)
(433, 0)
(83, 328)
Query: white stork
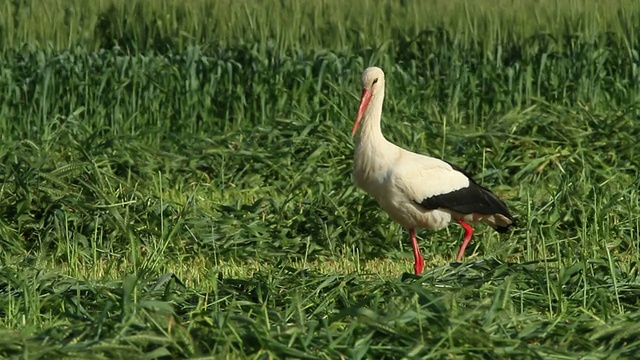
(417, 191)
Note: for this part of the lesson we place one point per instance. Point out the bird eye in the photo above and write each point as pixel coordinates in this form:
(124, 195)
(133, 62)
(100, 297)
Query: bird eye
(374, 81)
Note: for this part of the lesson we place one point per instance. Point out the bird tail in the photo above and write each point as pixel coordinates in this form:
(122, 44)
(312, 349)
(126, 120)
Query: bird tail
(506, 228)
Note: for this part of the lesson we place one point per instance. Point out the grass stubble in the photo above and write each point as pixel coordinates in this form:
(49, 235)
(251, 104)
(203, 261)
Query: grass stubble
(176, 185)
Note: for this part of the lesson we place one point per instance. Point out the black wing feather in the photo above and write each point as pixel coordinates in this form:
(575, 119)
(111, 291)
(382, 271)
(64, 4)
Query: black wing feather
(471, 199)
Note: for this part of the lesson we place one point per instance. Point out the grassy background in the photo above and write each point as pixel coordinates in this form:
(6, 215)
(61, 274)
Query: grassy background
(176, 179)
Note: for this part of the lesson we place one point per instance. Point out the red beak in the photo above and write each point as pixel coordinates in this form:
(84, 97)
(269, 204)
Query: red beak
(364, 102)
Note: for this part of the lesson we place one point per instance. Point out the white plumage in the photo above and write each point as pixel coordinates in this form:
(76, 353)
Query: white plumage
(416, 191)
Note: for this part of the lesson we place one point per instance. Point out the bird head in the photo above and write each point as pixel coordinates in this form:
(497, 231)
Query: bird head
(372, 80)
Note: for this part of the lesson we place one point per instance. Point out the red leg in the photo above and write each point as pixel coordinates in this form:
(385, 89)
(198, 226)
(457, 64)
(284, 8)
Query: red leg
(468, 231)
(419, 265)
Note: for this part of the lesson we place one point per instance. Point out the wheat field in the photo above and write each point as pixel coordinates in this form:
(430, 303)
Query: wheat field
(175, 179)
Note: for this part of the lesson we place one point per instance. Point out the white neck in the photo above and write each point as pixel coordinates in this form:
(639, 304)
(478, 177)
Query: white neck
(373, 151)
(370, 127)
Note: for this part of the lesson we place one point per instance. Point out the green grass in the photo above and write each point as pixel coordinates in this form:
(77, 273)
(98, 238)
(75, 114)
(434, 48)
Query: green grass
(166, 25)
(176, 179)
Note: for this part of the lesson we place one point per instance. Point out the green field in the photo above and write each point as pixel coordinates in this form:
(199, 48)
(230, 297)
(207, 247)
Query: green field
(175, 179)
